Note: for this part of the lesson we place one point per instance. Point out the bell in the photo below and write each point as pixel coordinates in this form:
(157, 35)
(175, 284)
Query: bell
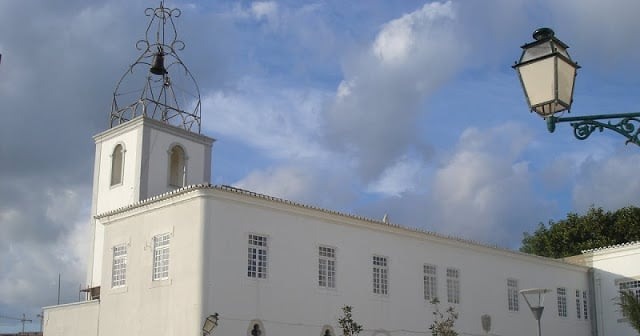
(157, 67)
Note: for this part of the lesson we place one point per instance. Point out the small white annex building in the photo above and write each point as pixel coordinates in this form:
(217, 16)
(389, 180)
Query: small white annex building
(170, 249)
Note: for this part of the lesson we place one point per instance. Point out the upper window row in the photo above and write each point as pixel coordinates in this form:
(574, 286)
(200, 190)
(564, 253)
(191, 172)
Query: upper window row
(258, 266)
(177, 166)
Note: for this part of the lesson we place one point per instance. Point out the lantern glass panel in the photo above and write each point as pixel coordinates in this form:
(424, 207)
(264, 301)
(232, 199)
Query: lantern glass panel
(536, 51)
(538, 79)
(566, 80)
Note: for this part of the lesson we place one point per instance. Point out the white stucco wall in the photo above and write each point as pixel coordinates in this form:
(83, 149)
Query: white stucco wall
(146, 169)
(289, 301)
(72, 319)
(208, 272)
(161, 307)
(160, 141)
(610, 266)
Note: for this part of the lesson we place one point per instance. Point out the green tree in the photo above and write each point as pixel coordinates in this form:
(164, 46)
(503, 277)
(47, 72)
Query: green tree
(630, 306)
(347, 324)
(572, 235)
(443, 322)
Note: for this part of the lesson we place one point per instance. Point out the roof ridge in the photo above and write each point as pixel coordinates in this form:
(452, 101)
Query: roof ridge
(228, 188)
(596, 249)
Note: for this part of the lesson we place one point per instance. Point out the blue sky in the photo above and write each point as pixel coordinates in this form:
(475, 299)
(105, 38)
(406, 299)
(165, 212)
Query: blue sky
(405, 108)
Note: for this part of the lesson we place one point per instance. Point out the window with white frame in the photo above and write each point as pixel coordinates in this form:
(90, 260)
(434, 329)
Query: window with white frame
(326, 267)
(161, 251)
(119, 266)
(453, 285)
(561, 294)
(380, 275)
(430, 287)
(257, 257)
(632, 286)
(585, 305)
(512, 295)
(578, 304)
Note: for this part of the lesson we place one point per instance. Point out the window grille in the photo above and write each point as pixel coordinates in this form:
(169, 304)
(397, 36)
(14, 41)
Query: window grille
(562, 301)
(161, 256)
(430, 285)
(578, 305)
(119, 266)
(257, 264)
(512, 295)
(585, 305)
(380, 275)
(326, 267)
(453, 285)
(632, 286)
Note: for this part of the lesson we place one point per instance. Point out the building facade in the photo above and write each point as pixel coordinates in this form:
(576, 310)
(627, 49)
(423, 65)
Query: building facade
(170, 249)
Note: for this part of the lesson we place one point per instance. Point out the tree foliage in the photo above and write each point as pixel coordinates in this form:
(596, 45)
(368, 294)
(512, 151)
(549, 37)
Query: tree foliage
(443, 322)
(572, 235)
(630, 306)
(347, 324)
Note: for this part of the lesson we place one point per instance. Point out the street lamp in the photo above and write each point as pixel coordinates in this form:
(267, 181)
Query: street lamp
(209, 324)
(547, 75)
(535, 300)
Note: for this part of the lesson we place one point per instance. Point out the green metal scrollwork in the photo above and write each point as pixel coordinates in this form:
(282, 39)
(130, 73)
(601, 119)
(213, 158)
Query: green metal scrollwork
(584, 126)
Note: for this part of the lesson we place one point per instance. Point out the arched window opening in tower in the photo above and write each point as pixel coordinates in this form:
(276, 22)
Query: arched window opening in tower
(177, 167)
(117, 165)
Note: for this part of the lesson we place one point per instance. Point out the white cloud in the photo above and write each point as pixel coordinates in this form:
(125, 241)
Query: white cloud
(265, 9)
(484, 190)
(284, 122)
(400, 37)
(405, 175)
(610, 182)
(32, 251)
(377, 104)
(285, 182)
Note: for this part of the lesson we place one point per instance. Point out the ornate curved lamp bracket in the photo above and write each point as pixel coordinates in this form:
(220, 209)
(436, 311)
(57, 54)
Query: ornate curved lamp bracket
(627, 125)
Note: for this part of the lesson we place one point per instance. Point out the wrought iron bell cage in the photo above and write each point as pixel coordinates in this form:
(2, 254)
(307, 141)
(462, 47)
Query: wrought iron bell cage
(158, 84)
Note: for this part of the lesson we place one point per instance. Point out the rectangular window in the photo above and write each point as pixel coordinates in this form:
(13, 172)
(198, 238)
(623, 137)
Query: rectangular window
(578, 305)
(562, 301)
(453, 285)
(585, 305)
(326, 267)
(632, 286)
(430, 288)
(161, 256)
(380, 275)
(119, 267)
(257, 258)
(512, 295)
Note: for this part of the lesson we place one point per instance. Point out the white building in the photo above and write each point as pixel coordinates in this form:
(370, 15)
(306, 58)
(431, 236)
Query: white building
(165, 257)
(169, 249)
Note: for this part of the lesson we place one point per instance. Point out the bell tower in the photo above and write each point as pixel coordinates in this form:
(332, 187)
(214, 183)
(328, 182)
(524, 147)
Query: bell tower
(154, 143)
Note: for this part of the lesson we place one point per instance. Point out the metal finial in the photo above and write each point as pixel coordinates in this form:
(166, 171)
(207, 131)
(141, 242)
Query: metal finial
(158, 84)
(543, 33)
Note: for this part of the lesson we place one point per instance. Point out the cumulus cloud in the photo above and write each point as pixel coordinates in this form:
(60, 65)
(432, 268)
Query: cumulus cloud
(284, 122)
(373, 116)
(408, 174)
(38, 245)
(610, 182)
(265, 9)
